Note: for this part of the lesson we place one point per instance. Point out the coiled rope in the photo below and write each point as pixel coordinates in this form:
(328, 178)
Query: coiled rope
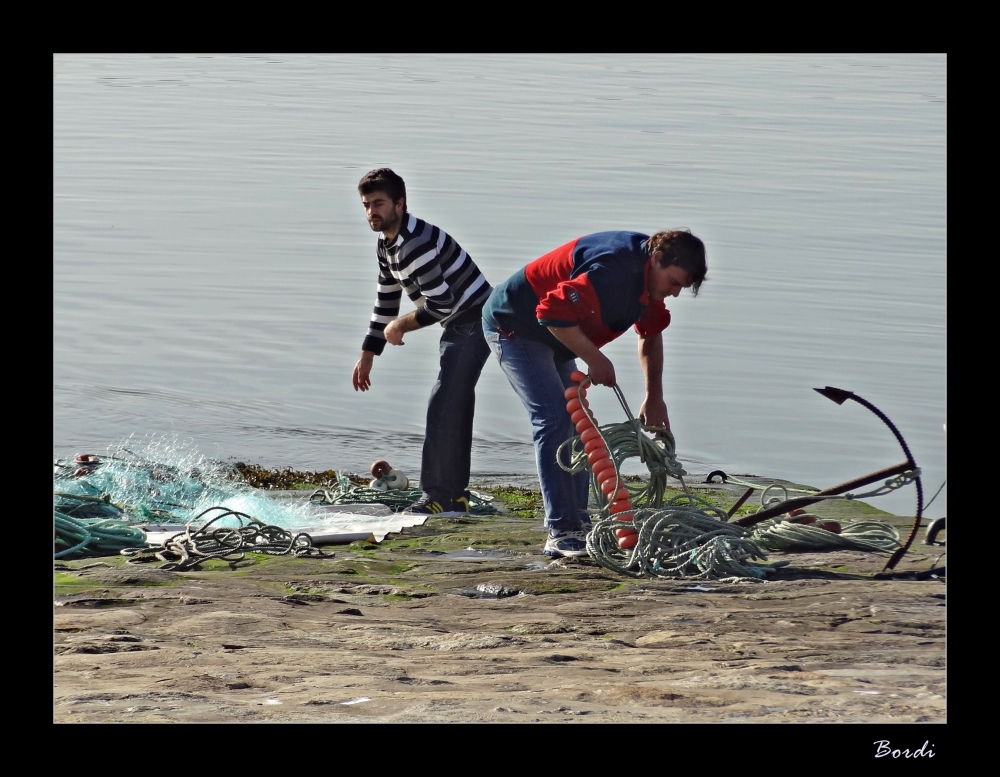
(188, 549)
(626, 441)
(797, 533)
(84, 537)
(680, 539)
(790, 535)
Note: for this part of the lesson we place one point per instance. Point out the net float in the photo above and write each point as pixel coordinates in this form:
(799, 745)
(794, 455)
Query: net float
(629, 542)
(575, 404)
(578, 415)
(605, 471)
(625, 533)
(378, 485)
(606, 475)
(621, 506)
(831, 526)
(380, 468)
(584, 423)
(396, 480)
(597, 454)
(575, 392)
(590, 434)
(608, 488)
(803, 519)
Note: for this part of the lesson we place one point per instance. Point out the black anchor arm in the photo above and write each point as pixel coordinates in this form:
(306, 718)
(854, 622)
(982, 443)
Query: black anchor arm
(840, 396)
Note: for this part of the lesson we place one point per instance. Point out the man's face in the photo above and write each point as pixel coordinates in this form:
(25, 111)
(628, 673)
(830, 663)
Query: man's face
(382, 213)
(666, 281)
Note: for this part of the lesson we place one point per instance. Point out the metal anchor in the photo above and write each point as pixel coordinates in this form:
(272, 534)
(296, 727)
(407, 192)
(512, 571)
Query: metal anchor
(840, 396)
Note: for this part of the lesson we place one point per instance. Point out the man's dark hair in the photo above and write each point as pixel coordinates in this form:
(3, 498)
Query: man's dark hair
(682, 248)
(384, 180)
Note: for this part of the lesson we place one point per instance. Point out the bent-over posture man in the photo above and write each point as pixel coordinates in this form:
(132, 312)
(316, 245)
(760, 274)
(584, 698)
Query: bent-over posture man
(567, 304)
(448, 289)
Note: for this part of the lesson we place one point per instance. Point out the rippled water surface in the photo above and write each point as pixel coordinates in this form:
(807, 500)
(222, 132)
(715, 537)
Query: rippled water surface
(214, 274)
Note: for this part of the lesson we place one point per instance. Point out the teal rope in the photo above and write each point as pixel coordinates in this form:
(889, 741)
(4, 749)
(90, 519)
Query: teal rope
(90, 537)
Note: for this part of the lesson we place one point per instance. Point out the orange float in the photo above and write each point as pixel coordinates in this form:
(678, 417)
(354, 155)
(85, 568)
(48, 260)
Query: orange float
(628, 541)
(600, 461)
(597, 454)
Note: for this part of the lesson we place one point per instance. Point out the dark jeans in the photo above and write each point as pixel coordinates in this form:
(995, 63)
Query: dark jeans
(447, 457)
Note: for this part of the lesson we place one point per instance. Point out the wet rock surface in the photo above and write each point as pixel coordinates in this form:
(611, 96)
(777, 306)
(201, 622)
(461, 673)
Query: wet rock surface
(378, 635)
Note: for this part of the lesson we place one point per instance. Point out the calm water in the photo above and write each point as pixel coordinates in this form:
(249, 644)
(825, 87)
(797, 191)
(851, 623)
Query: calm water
(214, 274)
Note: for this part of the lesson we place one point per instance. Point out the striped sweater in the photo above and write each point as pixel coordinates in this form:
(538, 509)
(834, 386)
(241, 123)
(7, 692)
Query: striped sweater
(434, 271)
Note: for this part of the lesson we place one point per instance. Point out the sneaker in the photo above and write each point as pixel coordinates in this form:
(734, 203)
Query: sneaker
(444, 507)
(566, 543)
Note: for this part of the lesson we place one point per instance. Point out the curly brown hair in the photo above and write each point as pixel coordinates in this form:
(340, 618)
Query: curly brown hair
(383, 180)
(685, 250)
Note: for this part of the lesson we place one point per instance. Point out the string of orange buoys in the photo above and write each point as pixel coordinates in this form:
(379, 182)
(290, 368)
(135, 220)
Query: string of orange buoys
(599, 457)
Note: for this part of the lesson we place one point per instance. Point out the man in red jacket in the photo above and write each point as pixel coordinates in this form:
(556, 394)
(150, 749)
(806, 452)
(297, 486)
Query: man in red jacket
(568, 304)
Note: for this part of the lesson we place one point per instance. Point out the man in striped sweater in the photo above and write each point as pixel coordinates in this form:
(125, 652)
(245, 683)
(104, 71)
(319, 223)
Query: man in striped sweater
(448, 289)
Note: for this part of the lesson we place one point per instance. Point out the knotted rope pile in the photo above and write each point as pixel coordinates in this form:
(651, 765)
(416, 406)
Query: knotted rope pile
(680, 539)
(688, 536)
(190, 548)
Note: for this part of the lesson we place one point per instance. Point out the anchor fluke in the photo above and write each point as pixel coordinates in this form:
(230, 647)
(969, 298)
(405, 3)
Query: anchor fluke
(835, 394)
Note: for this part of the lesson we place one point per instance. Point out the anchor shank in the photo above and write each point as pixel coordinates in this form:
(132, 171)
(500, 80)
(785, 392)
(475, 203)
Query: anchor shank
(794, 504)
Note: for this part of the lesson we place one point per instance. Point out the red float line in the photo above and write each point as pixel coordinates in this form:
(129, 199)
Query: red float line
(599, 458)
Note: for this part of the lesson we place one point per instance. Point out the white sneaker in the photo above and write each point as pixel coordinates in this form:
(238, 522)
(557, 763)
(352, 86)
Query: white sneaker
(566, 543)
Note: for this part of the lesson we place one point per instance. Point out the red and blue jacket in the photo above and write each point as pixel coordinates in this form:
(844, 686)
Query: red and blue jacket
(597, 282)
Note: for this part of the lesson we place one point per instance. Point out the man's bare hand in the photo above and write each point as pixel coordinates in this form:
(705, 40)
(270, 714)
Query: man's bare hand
(654, 413)
(363, 371)
(394, 332)
(602, 371)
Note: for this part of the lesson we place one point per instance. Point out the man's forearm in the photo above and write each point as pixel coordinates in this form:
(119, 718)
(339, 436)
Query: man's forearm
(651, 361)
(409, 323)
(574, 339)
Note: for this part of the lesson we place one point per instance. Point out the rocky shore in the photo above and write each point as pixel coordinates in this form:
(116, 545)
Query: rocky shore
(463, 619)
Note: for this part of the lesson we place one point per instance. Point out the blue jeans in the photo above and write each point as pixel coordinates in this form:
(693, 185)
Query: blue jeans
(447, 455)
(540, 380)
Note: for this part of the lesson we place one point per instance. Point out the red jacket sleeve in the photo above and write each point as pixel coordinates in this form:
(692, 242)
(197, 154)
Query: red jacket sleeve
(569, 303)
